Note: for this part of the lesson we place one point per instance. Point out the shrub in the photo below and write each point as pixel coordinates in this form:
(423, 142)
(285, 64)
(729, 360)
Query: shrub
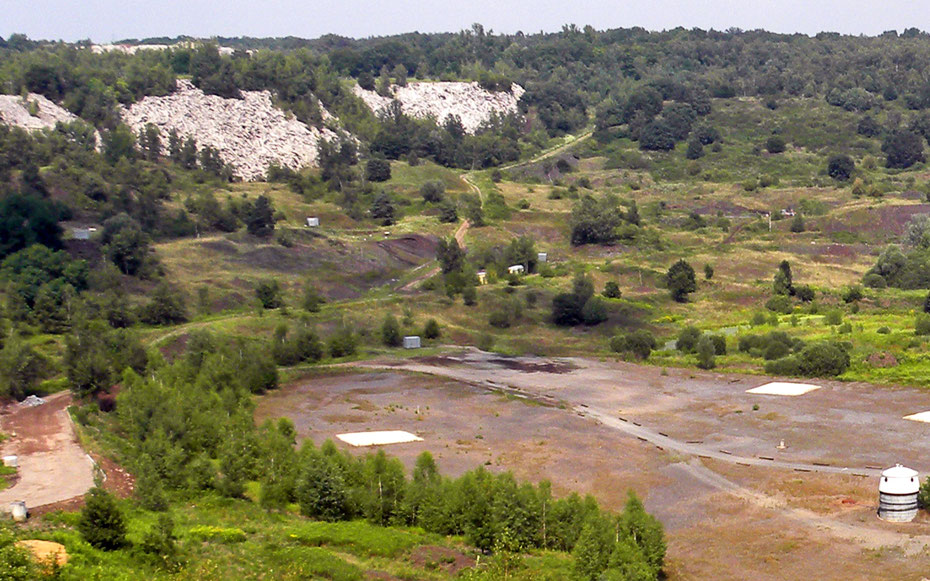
(680, 281)
(834, 317)
(268, 293)
(775, 144)
(433, 191)
(840, 167)
(343, 343)
(757, 319)
(431, 329)
(708, 272)
(776, 350)
(779, 304)
(594, 311)
(640, 343)
(500, 318)
(922, 325)
(101, 522)
(720, 344)
(390, 332)
(824, 359)
(567, 310)
(688, 339)
(883, 331)
(852, 294)
(705, 353)
(378, 170)
(469, 295)
(804, 293)
(523, 204)
(612, 290)
(784, 366)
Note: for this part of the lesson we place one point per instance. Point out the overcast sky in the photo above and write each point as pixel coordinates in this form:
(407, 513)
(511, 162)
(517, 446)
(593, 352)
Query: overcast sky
(108, 20)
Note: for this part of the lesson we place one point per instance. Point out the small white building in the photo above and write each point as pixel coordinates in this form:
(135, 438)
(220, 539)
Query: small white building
(412, 342)
(542, 257)
(313, 222)
(897, 494)
(516, 269)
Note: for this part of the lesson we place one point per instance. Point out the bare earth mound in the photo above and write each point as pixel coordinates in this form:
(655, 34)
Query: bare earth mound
(469, 101)
(250, 133)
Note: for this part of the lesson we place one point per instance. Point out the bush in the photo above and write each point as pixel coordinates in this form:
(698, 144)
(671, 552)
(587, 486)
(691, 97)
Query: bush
(469, 295)
(780, 304)
(705, 353)
(101, 522)
(594, 311)
(612, 290)
(431, 329)
(834, 317)
(343, 343)
(433, 191)
(883, 331)
(500, 318)
(378, 170)
(567, 310)
(720, 344)
(390, 332)
(268, 293)
(922, 325)
(852, 294)
(688, 339)
(775, 144)
(804, 293)
(840, 167)
(825, 359)
(680, 281)
(640, 343)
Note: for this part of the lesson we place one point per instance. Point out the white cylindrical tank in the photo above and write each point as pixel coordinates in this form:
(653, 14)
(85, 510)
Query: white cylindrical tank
(897, 494)
(18, 510)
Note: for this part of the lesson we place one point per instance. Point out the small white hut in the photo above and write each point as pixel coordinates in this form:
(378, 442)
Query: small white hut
(516, 269)
(897, 494)
(412, 342)
(312, 222)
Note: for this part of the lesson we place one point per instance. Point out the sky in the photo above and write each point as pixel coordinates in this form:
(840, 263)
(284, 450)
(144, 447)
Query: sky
(109, 20)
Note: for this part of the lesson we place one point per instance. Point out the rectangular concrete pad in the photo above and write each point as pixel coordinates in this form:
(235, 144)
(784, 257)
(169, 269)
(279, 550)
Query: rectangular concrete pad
(378, 438)
(783, 388)
(921, 417)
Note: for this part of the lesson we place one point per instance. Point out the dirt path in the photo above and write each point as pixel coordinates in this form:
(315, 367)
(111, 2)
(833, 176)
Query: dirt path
(550, 152)
(459, 238)
(52, 465)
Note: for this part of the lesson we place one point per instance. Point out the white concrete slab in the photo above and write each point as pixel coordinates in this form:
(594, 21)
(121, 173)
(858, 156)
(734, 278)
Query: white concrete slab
(920, 417)
(378, 438)
(783, 388)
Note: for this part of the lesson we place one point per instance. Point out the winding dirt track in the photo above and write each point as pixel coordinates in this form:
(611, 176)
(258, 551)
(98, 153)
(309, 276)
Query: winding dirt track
(577, 385)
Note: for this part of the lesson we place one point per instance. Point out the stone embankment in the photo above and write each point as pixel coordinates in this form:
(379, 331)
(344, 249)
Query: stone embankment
(473, 104)
(249, 133)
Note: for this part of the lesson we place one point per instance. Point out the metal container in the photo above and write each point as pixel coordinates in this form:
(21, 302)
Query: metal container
(11, 461)
(412, 342)
(897, 494)
(18, 510)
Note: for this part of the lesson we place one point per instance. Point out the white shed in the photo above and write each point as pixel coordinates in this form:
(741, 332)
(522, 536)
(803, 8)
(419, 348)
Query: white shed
(542, 257)
(516, 269)
(412, 342)
(313, 221)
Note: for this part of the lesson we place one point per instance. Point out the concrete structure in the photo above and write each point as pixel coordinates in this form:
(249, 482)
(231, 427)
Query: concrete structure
(542, 257)
(897, 494)
(312, 222)
(516, 269)
(412, 342)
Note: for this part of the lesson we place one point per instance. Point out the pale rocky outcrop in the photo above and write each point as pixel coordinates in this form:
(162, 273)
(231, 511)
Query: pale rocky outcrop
(15, 111)
(249, 133)
(473, 104)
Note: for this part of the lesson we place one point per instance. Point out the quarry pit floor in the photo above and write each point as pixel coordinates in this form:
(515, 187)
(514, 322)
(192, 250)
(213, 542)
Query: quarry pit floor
(693, 445)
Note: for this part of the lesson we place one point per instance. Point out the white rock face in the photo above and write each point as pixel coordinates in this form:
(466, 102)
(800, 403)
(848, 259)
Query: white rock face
(249, 133)
(469, 101)
(13, 111)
